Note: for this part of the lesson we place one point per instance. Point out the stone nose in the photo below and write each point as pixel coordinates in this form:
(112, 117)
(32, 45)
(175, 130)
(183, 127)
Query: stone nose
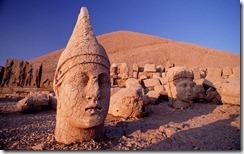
(93, 92)
(188, 88)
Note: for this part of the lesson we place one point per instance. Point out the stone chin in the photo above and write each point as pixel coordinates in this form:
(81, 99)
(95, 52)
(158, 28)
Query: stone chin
(88, 120)
(188, 98)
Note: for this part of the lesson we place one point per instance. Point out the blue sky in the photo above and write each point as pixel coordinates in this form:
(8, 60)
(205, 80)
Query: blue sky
(32, 28)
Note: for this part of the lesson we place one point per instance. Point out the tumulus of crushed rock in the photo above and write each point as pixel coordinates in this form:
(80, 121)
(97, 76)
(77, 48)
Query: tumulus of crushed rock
(132, 47)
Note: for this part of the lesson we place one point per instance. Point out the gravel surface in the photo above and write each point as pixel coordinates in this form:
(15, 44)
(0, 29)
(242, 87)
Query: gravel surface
(200, 127)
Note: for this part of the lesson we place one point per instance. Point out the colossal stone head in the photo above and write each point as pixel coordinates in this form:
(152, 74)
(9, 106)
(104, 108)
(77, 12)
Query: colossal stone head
(82, 85)
(180, 87)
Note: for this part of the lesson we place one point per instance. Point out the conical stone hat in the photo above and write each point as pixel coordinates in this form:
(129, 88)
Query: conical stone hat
(82, 48)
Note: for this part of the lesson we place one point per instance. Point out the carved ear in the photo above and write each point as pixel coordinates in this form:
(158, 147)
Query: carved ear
(55, 88)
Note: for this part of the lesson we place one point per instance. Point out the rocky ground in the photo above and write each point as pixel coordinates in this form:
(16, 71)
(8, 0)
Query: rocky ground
(200, 127)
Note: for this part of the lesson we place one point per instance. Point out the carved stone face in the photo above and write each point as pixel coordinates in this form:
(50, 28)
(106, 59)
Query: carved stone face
(184, 90)
(84, 95)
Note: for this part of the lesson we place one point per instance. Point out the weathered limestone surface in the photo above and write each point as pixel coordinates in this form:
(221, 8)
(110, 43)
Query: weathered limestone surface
(114, 89)
(33, 103)
(127, 102)
(228, 89)
(53, 101)
(213, 96)
(135, 68)
(229, 92)
(119, 73)
(82, 85)
(151, 83)
(156, 75)
(161, 90)
(180, 87)
(199, 93)
(19, 73)
(152, 97)
(135, 75)
(131, 83)
(150, 68)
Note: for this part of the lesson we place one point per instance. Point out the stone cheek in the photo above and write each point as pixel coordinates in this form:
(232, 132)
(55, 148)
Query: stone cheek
(180, 91)
(82, 85)
(72, 95)
(181, 95)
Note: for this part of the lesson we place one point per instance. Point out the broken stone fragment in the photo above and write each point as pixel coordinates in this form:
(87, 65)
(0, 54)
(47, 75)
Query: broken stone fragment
(135, 68)
(160, 89)
(131, 83)
(152, 97)
(53, 101)
(151, 83)
(33, 103)
(127, 102)
(213, 96)
(150, 68)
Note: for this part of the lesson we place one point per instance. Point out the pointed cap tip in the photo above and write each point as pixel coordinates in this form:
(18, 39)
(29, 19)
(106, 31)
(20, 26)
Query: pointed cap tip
(84, 11)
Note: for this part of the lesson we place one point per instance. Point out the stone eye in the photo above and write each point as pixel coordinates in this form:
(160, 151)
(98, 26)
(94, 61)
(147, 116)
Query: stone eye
(103, 79)
(184, 85)
(84, 78)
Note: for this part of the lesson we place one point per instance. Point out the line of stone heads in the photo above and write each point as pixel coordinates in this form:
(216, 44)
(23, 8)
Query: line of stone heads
(179, 85)
(81, 112)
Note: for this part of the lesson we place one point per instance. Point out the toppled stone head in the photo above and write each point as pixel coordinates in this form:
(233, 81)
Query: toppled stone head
(82, 86)
(181, 87)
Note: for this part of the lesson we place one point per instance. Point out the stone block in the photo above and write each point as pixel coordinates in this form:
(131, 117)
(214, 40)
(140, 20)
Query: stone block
(132, 83)
(135, 68)
(114, 90)
(152, 97)
(119, 82)
(142, 76)
(135, 75)
(123, 75)
(160, 89)
(150, 68)
(164, 80)
(156, 75)
(122, 68)
(214, 72)
(213, 81)
(227, 71)
(151, 83)
(197, 73)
